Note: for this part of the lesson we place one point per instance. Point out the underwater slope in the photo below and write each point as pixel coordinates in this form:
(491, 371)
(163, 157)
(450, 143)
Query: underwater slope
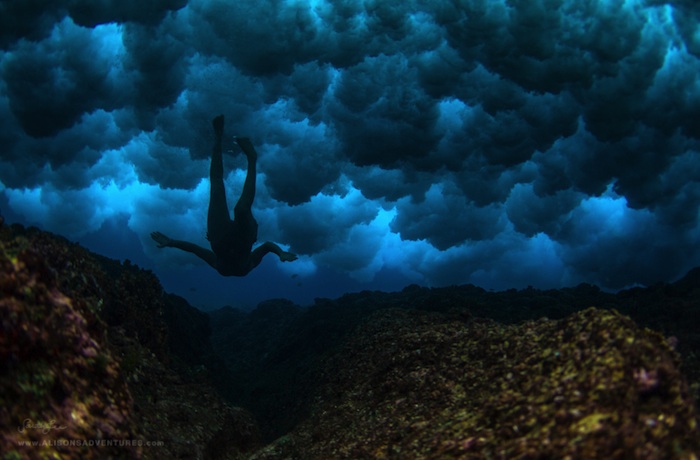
(279, 351)
(415, 384)
(88, 365)
(92, 349)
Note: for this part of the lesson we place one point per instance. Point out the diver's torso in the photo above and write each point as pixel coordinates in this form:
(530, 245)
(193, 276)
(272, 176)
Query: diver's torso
(233, 252)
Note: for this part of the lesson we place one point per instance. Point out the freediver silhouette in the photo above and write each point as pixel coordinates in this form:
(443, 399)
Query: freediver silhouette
(231, 241)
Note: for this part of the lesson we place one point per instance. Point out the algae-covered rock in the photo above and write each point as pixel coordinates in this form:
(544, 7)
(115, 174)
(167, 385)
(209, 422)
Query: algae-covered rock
(61, 391)
(421, 385)
(87, 363)
(92, 349)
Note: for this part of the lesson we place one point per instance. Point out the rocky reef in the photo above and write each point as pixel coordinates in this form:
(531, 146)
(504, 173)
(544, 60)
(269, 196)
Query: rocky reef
(89, 369)
(53, 351)
(415, 384)
(98, 362)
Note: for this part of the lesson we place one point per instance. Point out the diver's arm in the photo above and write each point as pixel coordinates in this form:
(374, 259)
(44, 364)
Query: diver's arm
(204, 254)
(257, 255)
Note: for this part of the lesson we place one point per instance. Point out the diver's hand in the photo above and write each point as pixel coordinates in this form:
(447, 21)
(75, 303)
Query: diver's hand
(288, 257)
(218, 124)
(162, 240)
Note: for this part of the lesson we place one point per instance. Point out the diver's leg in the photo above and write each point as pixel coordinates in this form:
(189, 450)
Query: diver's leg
(218, 217)
(245, 202)
(244, 222)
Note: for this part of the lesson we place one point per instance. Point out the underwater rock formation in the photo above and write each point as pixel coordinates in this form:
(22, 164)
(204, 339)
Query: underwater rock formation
(278, 351)
(415, 384)
(93, 350)
(88, 364)
(60, 381)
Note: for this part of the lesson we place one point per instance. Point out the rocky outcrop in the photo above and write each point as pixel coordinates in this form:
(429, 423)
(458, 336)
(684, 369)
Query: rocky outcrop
(422, 385)
(95, 363)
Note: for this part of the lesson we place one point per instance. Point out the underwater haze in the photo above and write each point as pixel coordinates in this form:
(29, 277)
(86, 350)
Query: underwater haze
(503, 143)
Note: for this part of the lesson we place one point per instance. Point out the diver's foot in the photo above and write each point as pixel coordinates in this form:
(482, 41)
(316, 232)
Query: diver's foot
(218, 124)
(247, 146)
(288, 257)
